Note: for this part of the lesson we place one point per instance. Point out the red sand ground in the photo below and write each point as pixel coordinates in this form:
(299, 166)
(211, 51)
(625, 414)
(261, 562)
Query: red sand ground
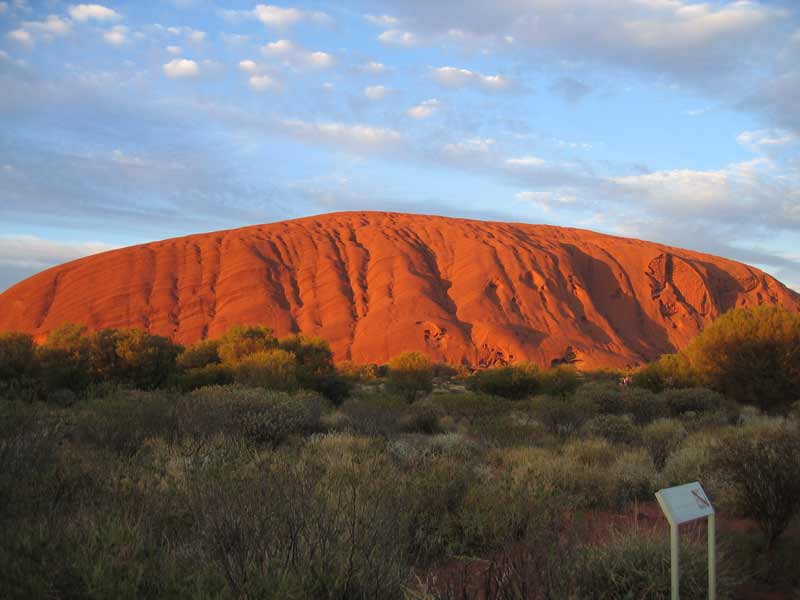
(377, 284)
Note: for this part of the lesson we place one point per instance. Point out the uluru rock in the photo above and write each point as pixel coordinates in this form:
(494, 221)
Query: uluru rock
(377, 284)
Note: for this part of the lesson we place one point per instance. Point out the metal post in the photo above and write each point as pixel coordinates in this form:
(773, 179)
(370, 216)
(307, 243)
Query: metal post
(674, 540)
(712, 557)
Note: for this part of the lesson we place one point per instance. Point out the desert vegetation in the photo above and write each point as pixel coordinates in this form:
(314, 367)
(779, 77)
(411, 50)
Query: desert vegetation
(254, 467)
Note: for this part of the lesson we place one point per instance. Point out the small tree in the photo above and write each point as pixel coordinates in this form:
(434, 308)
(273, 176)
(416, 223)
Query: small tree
(243, 340)
(411, 375)
(751, 355)
(201, 354)
(65, 359)
(17, 356)
(762, 463)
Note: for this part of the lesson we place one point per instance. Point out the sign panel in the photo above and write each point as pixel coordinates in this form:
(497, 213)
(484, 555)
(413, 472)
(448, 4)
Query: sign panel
(684, 503)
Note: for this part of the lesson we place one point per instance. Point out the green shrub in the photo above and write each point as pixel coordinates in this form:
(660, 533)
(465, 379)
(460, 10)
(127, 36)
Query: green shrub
(514, 382)
(637, 565)
(510, 430)
(562, 416)
(123, 420)
(751, 356)
(261, 416)
(272, 369)
(607, 396)
(65, 360)
(410, 375)
(692, 462)
(374, 414)
(17, 356)
(661, 438)
(560, 381)
(762, 465)
(643, 405)
(211, 374)
(241, 341)
(132, 357)
(617, 429)
(200, 355)
(692, 400)
(466, 405)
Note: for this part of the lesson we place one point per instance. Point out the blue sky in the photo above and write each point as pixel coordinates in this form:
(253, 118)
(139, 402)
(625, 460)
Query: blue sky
(669, 120)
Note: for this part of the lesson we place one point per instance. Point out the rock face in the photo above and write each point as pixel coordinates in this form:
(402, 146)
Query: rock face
(377, 284)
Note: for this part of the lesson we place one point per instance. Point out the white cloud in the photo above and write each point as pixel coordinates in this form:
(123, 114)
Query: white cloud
(181, 68)
(374, 68)
(454, 77)
(3, 7)
(424, 109)
(526, 161)
(234, 39)
(117, 35)
(262, 83)
(52, 25)
(395, 37)
(766, 138)
(31, 252)
(546, 200)
(128, 160)
(22, 37)
(357, 137)
(469, 147)
(196, 36)
(297, 56)
(279, 47)
(248, 66)
(174, 50)
(376, 92)
(95, 12)
(320, 60)
(276, 16)
(383, 20)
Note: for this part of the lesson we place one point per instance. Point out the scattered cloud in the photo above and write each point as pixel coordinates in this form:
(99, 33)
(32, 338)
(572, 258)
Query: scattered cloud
(31, 31)
(248, 66)
(424, 109)
(278, 17)
(298, 56)
(767, 138)
(395, 37)
(117, 35)
(374, 68)
(262, 83)
(180, 68)
(454, 77)
(93, 12)
(174, 50)
(382, 20)
(21, 37)
(376, 92)
(353, 136)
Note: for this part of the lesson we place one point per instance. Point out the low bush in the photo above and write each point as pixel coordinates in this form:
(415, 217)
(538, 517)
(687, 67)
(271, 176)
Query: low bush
(762, 465)
(272, 369)
(124, 419)
(692, 400)
(606, 395)
(637, 565)
(261, 416)
(617, 429)
(514, 382)
(560, 381)
(643, 405)
(661, 438)
(562, 416)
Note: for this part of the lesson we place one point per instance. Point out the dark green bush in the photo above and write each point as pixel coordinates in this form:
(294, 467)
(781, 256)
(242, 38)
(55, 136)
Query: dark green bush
(212, 374)
(606, 395)
(410, 375)
(662, 438)
(132, 357)
(123, 420)
(560, 381)
(241, 341)
(643, 405)
(637, 565)
(617, 429)
(692, 400)
(261, 416)
(514, 382)
(762, 464)
(200, 355)
(562, 416)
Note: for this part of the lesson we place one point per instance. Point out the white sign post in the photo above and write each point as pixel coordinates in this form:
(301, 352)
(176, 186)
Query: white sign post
(682, 504)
